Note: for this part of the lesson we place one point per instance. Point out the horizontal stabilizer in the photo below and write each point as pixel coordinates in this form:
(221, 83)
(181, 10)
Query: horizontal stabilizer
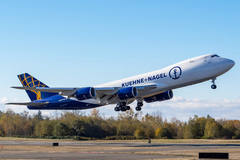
(29, 104)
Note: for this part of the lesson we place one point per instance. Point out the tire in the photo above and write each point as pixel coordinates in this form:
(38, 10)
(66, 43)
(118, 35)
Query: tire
(140, 104)
(213, 86)
(138, 108)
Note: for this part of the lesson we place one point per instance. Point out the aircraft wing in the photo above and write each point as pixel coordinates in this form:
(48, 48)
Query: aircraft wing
(102, 92)
(146, 87)
(62, 91)
(71, 91)
(29, 104)
(68, 91)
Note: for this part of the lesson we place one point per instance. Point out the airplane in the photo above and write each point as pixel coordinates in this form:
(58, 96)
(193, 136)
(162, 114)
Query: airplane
(150, 87)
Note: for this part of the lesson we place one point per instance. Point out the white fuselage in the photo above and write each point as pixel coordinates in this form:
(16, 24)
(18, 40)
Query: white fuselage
(187, 72)
(149, 87)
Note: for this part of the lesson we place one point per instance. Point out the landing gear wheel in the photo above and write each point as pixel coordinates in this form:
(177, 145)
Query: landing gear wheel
(117, 109)
(123, 109)
(213, 86)
(139, 104)
(121, 106)
(138, 108)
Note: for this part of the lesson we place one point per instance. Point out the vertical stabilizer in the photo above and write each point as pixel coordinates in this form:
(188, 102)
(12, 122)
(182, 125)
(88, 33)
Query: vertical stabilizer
(29, 81)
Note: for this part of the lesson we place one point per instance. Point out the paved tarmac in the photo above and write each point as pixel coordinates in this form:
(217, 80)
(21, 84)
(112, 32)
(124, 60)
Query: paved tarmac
(128, 144)
(87, 156)
(131, 151)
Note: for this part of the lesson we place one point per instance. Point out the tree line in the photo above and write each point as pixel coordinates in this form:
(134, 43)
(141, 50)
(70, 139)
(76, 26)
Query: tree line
(127, 125)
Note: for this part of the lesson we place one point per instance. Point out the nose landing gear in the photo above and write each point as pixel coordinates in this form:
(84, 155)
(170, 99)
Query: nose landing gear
(213, 86)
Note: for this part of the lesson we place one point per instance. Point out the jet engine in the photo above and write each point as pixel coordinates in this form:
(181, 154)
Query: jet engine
(160, 97)
(85, 93)
(127, 93)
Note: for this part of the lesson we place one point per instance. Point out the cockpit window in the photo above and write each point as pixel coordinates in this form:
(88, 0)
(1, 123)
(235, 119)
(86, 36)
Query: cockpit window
(215, 55)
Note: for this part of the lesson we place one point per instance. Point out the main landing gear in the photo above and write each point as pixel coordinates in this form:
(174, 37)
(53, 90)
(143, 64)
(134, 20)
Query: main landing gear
(139, 105)
(213, 86)
(122, 107)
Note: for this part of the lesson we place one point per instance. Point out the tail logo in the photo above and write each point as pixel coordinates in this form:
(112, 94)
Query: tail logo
(29, 81)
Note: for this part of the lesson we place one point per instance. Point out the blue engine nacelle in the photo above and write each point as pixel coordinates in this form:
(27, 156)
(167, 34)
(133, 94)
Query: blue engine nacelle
(127, 93)
(160, 97)
(85, 93)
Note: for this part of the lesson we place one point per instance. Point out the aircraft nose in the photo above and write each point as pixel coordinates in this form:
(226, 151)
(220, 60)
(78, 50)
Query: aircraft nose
(227, 64)
(230, 63)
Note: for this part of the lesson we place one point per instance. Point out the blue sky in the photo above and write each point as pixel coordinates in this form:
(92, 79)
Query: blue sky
(85, 43)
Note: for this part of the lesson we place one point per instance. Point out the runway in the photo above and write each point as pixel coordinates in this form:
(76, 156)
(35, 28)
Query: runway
(124, 144)
(110, 150)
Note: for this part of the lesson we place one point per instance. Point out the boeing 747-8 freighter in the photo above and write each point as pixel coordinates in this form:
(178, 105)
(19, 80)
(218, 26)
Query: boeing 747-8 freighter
(149, 87)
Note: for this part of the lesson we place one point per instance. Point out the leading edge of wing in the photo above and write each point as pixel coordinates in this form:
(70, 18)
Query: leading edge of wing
(57, 90)
(44, 89)
(101, 90)
(61, 91)
(28, 103)
(67, 91)
(148, 86)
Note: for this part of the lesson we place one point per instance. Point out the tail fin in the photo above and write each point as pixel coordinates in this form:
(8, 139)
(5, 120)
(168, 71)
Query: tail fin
(29, 81)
